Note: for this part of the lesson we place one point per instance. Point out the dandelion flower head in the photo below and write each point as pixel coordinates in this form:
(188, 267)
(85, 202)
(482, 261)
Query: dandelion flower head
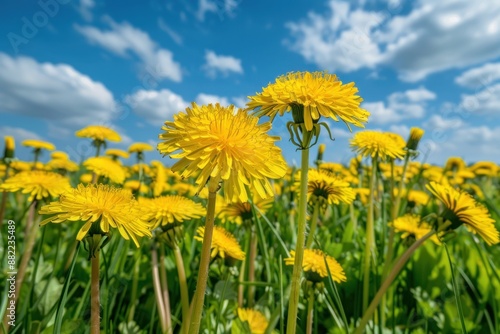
(109, 206)
(320, 93)
(461, 208)
(226, 145)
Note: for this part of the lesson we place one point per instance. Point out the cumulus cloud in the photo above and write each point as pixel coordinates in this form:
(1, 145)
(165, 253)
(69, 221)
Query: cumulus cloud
(203, 98)
(486, 101)
(479, 76)
(219, 7)
(430, 38)
(123, 39)
(470, 143)
(54, 92)
(176, 37)
(156, 106)
(400, 106)
(224, 65)
(19, 134)
(85, 8)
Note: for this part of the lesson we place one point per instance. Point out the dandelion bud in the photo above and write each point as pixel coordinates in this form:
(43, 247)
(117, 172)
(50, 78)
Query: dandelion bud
(10, 145)
(415, 136)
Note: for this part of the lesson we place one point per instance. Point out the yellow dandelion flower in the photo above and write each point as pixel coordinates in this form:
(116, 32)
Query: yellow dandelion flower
(170, 209)
(62, 164)
(86, 178)
(362, 194)
(225, 145)
(256, 320)
(39, 144)
(160, 178)
(455, 163)
(104, 166)
(417, 197)
(327, 189)
(314, 266)
(411, 225)
(38, 184)
(59, 155)
(224, 243)
(20, 166)
(139, 147)
(461, 208)
(136, 185)
(241, 211)
(115, 153)
(99, 133)
(136, 168)
(377, 144)
(320, 93)
(485, 168)
(102, 204)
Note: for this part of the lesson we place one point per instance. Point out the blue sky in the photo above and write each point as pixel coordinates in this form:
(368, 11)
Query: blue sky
(131, 65)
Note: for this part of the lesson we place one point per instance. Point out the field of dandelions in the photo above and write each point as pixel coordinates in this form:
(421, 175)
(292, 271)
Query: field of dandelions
(225, 237)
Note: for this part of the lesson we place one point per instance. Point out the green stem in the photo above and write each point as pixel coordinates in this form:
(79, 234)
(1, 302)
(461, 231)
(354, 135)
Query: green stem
(369, 236)
(389, 279)
(201, 284)
(395, 213)
(157, 287)
(456, 291)
(184, 289)
(164, 288)
(310, 311)
(314, 223)
(135, 282)
(293, 303)
(95, 307)
(251, 267)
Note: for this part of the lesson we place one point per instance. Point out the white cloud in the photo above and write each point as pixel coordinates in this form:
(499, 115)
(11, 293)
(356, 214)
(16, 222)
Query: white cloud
(438, 122)
(471, 143)
(156, 106)
(122, 39)
(176, 37)
(220, 7)
(402, 130)
(479, 76)
(409, 104)
(486, 101)
(434, 36)
(85, 9)
(19, 134)
(203, 98)
(55, 92)
(240, 101)
(221, 64)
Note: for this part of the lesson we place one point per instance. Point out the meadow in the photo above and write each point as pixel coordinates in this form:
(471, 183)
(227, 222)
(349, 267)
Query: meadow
(112, 244)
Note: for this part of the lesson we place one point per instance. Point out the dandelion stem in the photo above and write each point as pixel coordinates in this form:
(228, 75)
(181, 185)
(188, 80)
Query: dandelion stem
(456, 291)
(395, 213)
(157, 287)
(95, 307)
(369, 236)
(201, 284)
(184, 289)
(389, 279)
(164, 288)
(299, 248)
(314, 223)
(251, 267)
(310, 312)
